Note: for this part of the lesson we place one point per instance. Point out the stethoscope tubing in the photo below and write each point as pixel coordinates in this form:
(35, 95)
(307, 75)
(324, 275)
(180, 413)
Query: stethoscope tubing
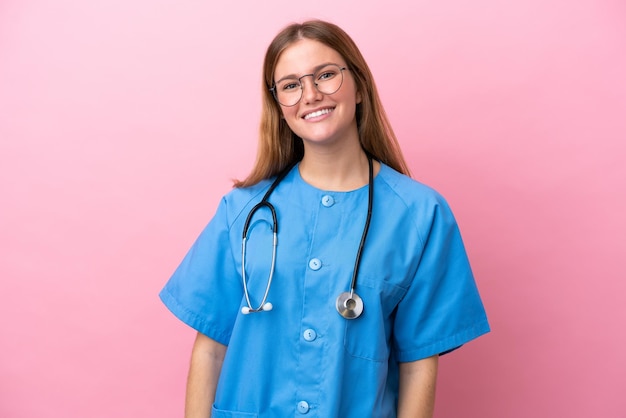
(264, 306)
(244, 241)
(366, 228)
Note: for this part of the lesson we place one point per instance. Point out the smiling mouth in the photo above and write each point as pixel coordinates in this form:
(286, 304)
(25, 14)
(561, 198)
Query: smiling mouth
(318, 113)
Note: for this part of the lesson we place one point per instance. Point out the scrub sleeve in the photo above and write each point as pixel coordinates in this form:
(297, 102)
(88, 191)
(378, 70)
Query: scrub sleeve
(442, 308)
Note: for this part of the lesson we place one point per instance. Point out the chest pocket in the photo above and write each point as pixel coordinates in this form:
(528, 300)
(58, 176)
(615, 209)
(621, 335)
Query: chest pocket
(369, 335)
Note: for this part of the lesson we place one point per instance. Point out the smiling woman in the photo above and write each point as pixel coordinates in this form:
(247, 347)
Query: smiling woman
(123, 122)
(367, 277)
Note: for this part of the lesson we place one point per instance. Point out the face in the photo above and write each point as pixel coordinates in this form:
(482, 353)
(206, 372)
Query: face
(318, 118)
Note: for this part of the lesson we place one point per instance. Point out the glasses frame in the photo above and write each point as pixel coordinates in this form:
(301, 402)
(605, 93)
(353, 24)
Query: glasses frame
(341, 70)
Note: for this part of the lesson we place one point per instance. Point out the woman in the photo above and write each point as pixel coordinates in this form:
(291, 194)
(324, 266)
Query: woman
(369, 281)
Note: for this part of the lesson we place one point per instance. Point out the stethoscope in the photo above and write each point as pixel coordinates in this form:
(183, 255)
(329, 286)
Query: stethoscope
(348, 304)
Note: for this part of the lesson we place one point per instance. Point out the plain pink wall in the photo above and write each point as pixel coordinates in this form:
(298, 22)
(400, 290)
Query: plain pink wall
(122, 123)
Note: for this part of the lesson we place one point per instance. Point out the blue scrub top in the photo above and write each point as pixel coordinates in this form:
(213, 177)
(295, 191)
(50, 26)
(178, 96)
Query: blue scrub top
(302, 357)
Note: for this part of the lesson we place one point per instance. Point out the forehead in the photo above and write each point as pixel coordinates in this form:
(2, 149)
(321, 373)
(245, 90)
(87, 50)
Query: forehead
(303, 57)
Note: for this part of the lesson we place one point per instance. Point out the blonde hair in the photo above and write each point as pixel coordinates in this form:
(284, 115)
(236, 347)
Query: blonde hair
(279, 147)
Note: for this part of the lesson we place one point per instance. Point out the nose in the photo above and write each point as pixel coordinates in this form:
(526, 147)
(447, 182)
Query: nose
(309, 90)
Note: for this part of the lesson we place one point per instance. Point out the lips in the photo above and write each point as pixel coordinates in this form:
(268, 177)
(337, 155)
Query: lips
(317, 113)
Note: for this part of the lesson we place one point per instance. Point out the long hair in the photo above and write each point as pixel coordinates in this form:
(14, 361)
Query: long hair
(279, 147)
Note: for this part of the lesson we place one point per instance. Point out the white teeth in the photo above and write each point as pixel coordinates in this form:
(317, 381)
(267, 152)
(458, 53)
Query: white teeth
(318, 113)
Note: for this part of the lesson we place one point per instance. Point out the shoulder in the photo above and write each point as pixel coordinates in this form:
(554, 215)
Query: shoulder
(415, 203)
(408, 191)
(239, 200)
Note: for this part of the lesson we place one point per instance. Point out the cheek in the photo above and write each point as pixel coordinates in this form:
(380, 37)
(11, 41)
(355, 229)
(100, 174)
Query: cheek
(289, 116)
(288, 113)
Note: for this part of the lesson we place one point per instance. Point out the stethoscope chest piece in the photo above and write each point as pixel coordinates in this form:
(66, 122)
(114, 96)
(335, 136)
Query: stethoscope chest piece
(349, 305)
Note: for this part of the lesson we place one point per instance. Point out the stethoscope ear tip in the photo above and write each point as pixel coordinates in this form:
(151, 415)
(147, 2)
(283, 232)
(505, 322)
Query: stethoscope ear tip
(265, 307)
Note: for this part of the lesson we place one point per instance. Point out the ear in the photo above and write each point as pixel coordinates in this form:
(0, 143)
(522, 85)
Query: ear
(359, 99)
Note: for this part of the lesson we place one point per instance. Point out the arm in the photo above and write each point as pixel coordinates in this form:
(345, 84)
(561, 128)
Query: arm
(206, 363)
(418, 379)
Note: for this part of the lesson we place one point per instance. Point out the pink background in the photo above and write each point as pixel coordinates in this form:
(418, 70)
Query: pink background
(122, 123)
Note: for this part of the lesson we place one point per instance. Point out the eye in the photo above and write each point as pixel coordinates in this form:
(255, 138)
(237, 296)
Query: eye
(326, 75)
(289, 85)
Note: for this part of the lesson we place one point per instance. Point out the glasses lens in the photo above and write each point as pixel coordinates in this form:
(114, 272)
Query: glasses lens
(329, 79)
(288, 91)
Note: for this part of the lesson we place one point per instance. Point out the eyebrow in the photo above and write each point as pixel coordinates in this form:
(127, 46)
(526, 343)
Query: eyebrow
(315, 69)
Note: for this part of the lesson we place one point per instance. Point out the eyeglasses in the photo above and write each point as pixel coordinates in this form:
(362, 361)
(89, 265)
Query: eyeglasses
(327, 80)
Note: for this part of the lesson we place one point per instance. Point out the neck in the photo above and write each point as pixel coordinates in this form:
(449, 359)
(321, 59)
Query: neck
(337, 171)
